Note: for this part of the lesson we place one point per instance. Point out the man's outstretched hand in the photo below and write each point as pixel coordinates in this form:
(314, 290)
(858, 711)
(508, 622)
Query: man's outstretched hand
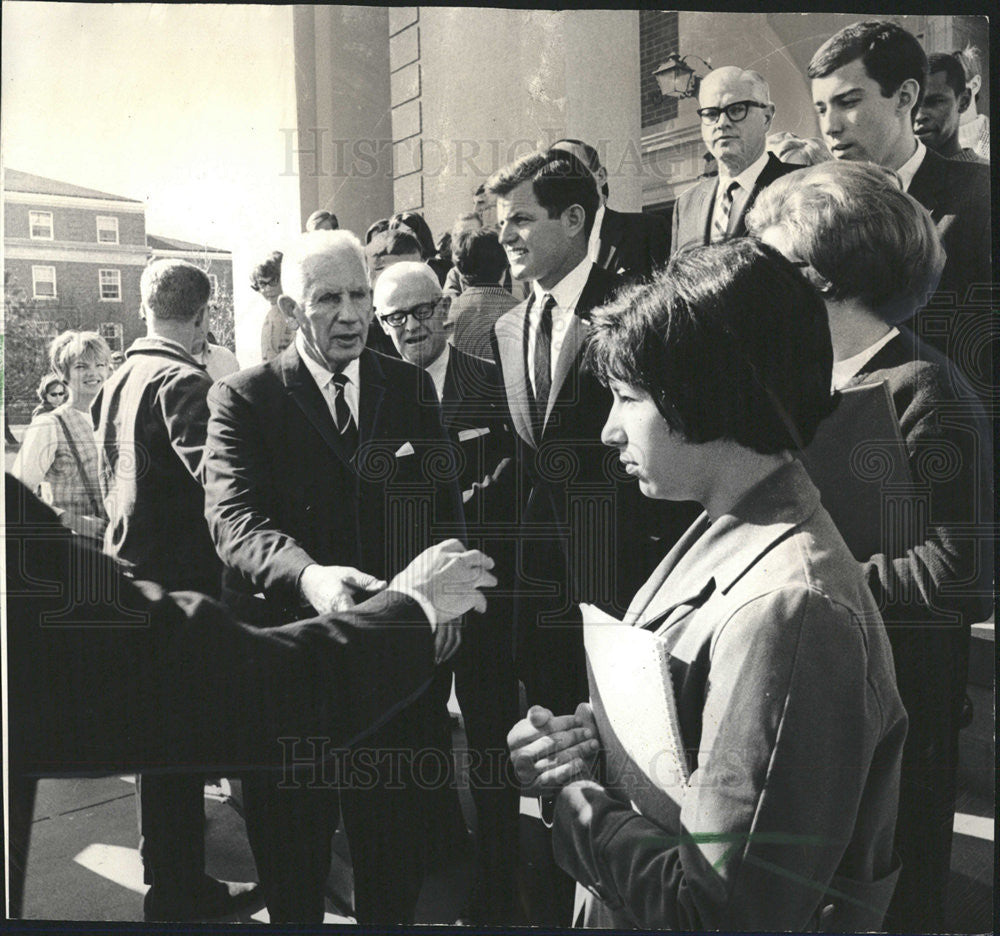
(448, 578)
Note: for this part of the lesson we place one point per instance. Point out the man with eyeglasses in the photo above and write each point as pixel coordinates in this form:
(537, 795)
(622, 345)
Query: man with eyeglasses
(736, 114)
(413, 311)
(319, 488)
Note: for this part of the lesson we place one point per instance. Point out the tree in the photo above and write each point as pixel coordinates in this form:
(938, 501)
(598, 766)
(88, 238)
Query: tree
(29, 327)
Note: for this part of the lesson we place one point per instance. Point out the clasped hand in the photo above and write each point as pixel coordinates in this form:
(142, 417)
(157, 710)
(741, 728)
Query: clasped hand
(549, 751)
(447, 577)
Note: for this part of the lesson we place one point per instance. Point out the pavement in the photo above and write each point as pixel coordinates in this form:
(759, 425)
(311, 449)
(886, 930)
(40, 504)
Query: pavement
(84, 864)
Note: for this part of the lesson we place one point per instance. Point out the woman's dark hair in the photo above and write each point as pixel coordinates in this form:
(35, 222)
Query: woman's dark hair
(267, 272)
(730, 341)
(416, 224)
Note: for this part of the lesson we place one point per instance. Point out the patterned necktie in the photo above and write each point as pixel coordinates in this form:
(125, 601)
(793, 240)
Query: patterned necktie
(346, 426)
(543, 363)
(720, 223)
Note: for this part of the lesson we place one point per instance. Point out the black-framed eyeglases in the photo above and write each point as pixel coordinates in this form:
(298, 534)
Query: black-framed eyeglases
(420, 312)
(735, 112)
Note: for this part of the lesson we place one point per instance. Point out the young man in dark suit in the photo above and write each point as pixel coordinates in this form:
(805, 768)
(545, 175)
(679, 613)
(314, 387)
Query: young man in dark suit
(736, 113)
(414, 313)
(632, 244)
(316, 462)
(867, 82)
(582, 524)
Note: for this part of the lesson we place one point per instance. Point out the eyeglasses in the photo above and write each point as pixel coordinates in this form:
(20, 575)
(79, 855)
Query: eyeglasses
(735, 112)
(420, 312)
(56, 393)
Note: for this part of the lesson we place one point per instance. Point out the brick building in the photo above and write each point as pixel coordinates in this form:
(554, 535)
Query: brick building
(73, 257)
(412, 107)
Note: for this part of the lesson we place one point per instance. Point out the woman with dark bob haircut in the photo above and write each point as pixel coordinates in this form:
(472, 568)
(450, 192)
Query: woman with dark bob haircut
(779, 811)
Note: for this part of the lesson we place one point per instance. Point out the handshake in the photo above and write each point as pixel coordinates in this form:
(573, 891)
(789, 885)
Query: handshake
(445, 579)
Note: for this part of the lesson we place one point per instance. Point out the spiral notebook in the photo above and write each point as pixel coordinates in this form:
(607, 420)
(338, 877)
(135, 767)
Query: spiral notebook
(632, 695)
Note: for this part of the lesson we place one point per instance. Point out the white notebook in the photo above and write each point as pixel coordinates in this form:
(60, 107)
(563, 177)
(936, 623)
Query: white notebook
(636, 712)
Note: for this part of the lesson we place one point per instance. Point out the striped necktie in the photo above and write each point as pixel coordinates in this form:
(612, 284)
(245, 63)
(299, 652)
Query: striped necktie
(542, 365)
(346, 426)
(723, 210)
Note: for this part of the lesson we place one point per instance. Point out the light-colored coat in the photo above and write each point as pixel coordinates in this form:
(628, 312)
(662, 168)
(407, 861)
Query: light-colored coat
(794, 729)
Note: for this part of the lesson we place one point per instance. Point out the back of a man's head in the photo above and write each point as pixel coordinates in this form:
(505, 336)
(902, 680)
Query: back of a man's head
(587, 155)
(479, 257)
(889, 53)
(558, 179)
(395, 242)
(174, 290)
(954, 73)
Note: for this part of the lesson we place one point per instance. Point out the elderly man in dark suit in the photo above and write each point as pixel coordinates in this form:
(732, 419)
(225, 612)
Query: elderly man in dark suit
(736, 114)
(315, 464)
(411, 308)
(632, 244)
(585, 534)
(867, 81)
(127, 677)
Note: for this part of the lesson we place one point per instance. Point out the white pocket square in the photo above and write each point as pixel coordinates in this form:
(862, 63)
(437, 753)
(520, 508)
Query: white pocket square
(465, 434)
(405, 449)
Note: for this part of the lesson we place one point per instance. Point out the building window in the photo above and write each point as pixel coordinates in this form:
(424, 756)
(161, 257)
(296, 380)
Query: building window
(214, 280)
(107, 230)
(43, 282)
(658, 37)
(111, 332)
(111, 285)
(40, 223)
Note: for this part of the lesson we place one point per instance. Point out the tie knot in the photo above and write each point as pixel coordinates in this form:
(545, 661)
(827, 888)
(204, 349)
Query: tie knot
(341, 380)
(548, 305)
(731, 188)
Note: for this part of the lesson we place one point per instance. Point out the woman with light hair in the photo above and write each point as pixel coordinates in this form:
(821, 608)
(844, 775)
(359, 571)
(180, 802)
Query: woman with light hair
(797, 151)
(874, 255)
(58, 457)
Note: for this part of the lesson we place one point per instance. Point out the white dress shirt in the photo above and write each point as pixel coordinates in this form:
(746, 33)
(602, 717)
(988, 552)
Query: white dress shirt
(324, 380)
(438, 370)
(745, 182)
(909, 169)
(566, 294)
(595, 233)
(844, 370)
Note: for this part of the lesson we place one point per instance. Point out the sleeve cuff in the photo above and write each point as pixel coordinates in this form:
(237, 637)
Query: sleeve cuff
(425, 605)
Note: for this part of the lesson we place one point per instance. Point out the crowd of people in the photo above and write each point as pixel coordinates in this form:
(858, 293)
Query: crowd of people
(455, 452)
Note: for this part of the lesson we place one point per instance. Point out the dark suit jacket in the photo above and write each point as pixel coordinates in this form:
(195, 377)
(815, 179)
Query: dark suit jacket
(632, 244)
(957, 195)
(110, 675)
(586, 530)
(282, 492)
(474, 412)
(692, 220)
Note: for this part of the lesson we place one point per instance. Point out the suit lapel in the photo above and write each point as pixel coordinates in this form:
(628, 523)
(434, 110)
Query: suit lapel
(773, 169)
(451, 398)
(510, 342)
(609, 240)
(705, 206)
(371, 392)
(302, 388)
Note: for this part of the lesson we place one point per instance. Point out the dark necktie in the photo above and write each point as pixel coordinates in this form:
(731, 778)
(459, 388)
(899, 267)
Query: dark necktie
(543, 362)
(346, 426)
(720, 224)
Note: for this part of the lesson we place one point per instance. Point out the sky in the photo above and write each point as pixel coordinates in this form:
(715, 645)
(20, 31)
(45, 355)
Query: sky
(180, 106)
